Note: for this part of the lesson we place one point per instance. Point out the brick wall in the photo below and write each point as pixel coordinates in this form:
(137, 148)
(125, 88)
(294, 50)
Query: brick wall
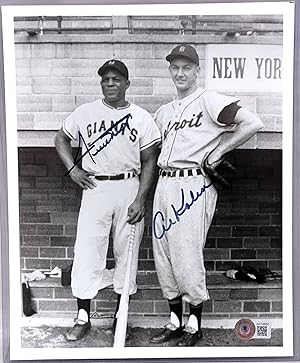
(56, 73)
(246, 229)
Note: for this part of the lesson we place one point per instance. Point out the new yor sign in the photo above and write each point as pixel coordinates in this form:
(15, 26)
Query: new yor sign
(244, 67)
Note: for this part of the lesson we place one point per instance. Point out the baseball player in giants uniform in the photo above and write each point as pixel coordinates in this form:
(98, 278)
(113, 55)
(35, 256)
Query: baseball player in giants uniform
(192, 128)
(119, 153)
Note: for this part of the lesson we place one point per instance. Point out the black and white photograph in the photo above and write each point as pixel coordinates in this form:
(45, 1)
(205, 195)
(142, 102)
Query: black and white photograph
(149, 180)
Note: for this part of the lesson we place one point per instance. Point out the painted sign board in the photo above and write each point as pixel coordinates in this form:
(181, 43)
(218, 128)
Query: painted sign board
(244, 67)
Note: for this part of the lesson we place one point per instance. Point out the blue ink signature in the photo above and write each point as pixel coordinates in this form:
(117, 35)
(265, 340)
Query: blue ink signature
(116, 129)
(165, 226)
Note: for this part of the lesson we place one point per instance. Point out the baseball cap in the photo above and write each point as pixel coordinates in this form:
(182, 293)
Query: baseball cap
(184, 50)
(114, 64)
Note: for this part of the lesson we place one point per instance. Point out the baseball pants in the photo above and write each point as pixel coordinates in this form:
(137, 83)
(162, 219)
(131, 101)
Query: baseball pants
(104, 210)
(178, 254)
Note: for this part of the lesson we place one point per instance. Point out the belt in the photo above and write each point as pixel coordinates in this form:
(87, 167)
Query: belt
(115, 177)
(180, 172)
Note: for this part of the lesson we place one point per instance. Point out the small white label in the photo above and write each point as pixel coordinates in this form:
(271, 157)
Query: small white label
(263, 329)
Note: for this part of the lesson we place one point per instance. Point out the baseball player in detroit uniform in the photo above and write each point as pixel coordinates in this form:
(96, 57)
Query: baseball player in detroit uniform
(119, 153)
(192, 128)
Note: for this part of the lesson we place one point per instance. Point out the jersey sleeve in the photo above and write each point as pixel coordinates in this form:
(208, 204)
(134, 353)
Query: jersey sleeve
(150, 134)
(71, 125)
(227, 115)
(215, 104)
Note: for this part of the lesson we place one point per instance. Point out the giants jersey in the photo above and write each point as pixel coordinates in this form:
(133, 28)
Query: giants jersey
(190, 128)
(111, 138)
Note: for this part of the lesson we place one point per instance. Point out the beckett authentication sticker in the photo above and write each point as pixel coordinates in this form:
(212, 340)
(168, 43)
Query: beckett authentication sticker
(245, 329)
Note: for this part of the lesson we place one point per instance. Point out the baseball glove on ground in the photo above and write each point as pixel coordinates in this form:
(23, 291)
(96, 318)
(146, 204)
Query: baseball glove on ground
(214, 170)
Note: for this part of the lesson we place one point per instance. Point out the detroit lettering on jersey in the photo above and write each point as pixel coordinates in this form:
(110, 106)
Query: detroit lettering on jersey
(194, 130)
(193, 122)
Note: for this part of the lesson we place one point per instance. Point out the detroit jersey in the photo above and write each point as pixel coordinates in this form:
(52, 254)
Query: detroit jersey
(190, 128)
(111, 138)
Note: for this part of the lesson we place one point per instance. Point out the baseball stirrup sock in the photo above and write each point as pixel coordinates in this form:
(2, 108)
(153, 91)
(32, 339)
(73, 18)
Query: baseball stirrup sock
(195, 316)
(85, 305)
(176, 309)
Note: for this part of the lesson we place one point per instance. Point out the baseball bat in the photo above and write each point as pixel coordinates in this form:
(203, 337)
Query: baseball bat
(122, 314)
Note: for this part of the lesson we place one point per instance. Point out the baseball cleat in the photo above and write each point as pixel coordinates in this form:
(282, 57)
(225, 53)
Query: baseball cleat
(170, 332)
(78, 331)
(189, 338)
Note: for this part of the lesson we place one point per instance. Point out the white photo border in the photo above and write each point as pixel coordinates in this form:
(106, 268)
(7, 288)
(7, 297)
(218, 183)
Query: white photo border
(8, 14)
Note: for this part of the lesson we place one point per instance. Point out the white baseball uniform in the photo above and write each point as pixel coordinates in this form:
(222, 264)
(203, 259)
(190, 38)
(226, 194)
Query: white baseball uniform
(184, 203)
(112, 140)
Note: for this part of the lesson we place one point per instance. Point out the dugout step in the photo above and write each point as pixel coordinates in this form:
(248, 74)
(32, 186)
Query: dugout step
(228, 298)
(150, 281)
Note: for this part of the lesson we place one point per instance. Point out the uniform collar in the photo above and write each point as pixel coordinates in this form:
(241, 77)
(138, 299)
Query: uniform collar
(189, 98)
(115, 108)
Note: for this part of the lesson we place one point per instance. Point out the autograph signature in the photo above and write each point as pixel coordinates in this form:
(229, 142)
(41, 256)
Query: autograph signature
(116, 129)
(159, 222)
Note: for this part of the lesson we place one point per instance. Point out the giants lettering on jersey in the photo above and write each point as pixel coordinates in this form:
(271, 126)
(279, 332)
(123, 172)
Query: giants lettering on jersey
(193, 122)
(100, 126)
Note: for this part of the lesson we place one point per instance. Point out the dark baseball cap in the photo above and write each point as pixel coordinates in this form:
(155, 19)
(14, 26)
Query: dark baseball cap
(114, 64)
(184, 50)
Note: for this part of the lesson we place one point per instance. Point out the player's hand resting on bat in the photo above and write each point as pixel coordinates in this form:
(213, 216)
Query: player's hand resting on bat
(82, 178)
(136, 211)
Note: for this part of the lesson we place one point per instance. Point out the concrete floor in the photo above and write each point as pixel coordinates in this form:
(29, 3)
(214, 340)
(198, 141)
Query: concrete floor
(54, 337)
(39, 332)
